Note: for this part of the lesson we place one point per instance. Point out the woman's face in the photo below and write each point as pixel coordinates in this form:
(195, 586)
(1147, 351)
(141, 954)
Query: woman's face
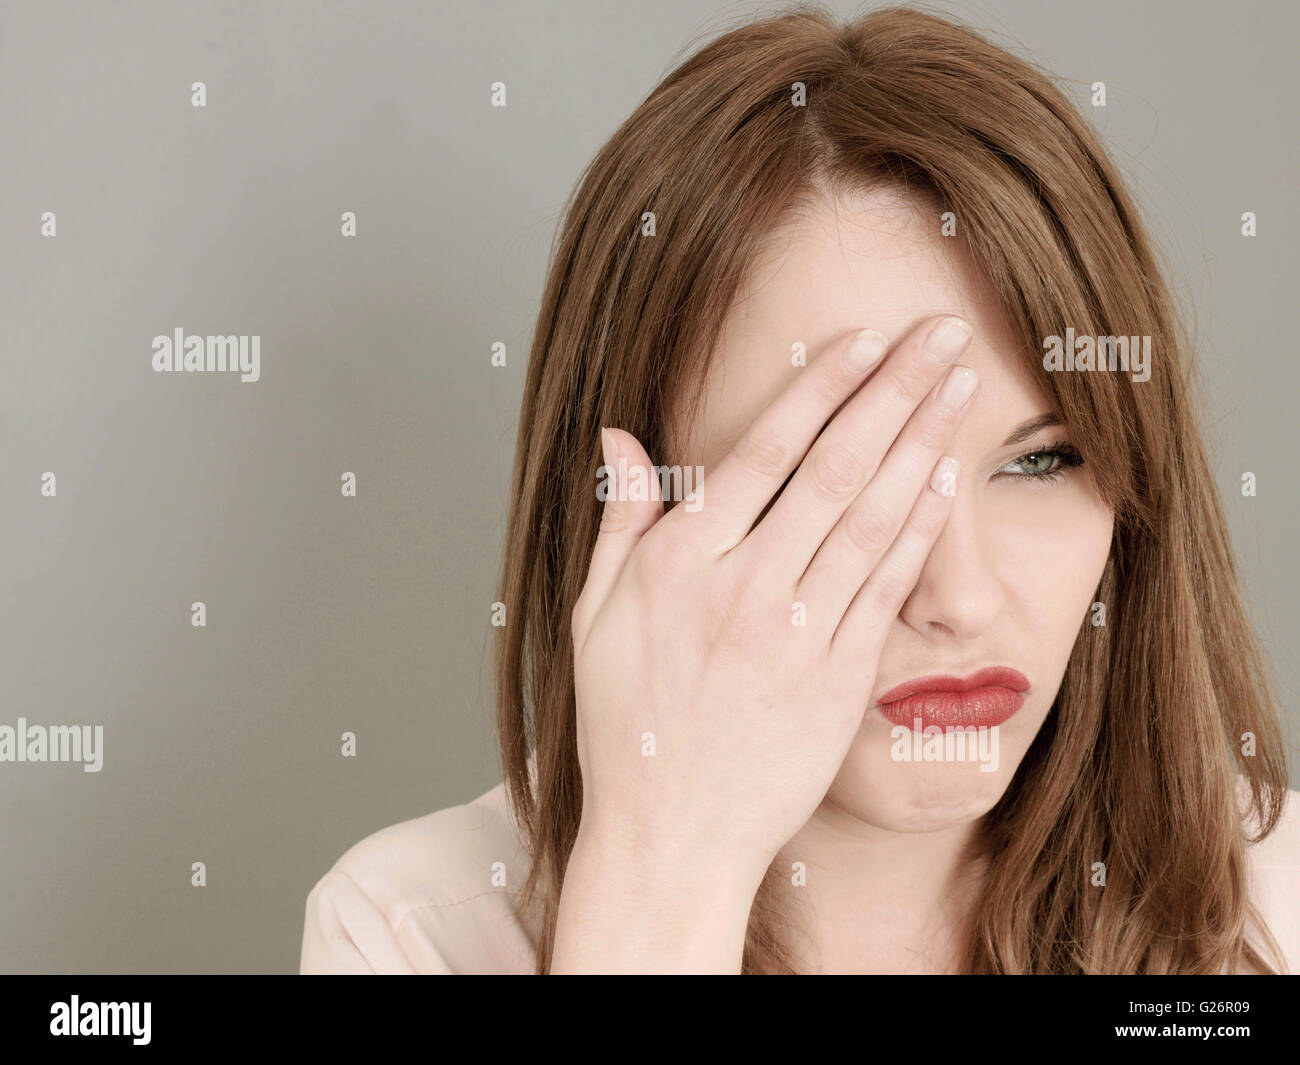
(1014, 572)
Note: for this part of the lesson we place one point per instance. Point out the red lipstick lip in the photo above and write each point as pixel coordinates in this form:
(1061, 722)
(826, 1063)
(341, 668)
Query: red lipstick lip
(984, 699)
(993, 677)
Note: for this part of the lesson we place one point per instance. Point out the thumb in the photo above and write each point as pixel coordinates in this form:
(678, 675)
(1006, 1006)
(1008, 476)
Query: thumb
(628, 514)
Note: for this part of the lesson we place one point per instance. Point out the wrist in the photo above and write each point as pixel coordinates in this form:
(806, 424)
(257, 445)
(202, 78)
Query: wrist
(628, 907)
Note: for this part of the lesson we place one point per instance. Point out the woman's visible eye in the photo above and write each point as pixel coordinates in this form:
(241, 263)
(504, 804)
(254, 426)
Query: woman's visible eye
(1043, 464)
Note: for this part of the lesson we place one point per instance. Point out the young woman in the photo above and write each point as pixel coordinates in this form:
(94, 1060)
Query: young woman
(942, 666)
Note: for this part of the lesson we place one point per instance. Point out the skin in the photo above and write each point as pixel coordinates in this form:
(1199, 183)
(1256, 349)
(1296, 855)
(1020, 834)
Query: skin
(768, 743)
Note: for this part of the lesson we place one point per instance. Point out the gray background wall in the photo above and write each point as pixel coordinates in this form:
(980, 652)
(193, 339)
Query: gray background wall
(328, 614)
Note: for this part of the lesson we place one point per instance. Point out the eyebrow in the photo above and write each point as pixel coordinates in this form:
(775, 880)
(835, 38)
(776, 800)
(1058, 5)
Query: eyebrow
(1027, 429)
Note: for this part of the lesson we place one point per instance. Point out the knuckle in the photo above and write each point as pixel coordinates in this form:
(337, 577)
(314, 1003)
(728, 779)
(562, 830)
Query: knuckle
(868, 529)
(908, 385)
(764, 454)
(889, 588)
(933, 433)
(835, 383)
(736, 621)
(835, 470)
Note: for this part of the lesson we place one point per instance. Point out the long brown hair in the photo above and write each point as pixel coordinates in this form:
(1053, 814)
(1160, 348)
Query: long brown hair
(1138, 763)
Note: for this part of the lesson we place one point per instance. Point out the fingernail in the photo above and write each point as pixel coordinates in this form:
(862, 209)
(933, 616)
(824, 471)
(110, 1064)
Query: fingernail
(958, 387)
(865, 351)
(944, 478)
(947, 339)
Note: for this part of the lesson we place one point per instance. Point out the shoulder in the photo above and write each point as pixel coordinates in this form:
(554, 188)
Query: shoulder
(438, 893)
(1274, 880)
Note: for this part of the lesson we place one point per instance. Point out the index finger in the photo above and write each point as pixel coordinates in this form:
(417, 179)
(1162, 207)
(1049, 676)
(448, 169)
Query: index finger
(756, 467)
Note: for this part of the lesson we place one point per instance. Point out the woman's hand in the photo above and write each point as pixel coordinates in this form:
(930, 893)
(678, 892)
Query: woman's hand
(722, 668)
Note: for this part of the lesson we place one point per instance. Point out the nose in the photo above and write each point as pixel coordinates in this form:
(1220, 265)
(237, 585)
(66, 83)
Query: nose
(958, 593)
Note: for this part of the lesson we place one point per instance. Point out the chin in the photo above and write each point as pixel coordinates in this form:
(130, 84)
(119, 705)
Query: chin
(916, 796)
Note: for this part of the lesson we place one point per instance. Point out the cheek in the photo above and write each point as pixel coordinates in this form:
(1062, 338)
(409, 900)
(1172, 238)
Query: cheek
(1050, 545)
(1046, 550)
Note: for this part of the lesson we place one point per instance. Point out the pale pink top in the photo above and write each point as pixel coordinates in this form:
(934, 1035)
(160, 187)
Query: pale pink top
(438, 894)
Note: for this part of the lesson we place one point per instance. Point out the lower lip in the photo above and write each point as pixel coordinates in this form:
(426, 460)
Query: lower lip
(976, 707)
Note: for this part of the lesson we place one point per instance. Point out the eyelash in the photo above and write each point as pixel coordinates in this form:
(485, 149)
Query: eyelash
(1066, 456)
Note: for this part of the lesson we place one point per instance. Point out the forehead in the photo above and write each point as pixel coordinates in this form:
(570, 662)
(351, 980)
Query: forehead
(848, 261)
